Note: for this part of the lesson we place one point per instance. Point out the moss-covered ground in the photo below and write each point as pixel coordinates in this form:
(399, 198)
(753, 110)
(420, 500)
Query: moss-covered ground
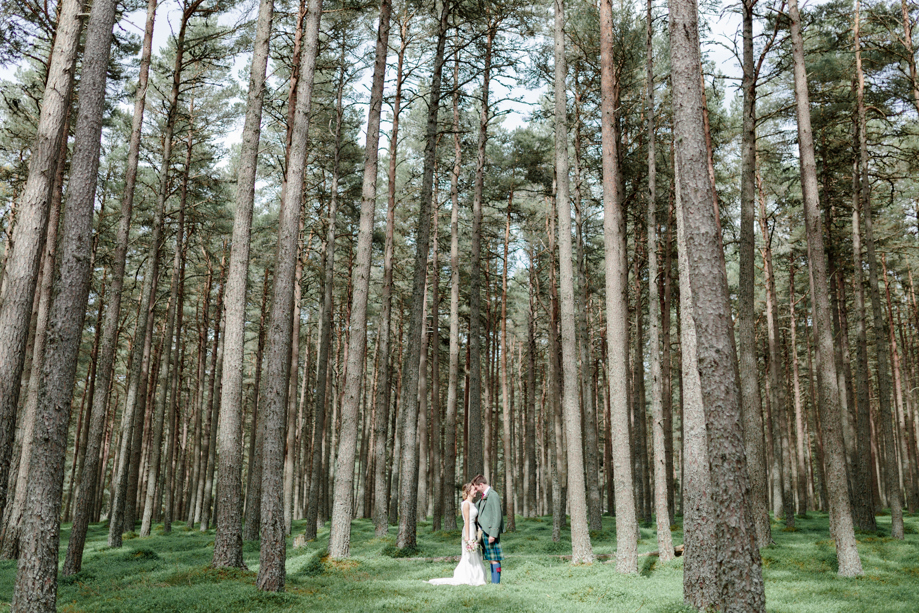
(170, 573)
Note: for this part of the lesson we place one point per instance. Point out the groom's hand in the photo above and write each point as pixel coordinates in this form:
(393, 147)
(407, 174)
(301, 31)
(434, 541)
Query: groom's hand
(491, 540)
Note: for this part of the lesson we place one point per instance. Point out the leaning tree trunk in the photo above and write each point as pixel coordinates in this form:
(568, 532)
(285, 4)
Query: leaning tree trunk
(581, 551)
(885, 413)
(407, 536)
(739, 579)
(12, 522)
(20, 272)
(837, 486)
(661, 478)
(751, 400)
(228, 538)
(340, 537)
(272, 574)
(617, 310)
(36, 579)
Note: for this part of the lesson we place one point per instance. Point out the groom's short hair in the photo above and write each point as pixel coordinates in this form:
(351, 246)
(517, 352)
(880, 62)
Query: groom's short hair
(479, 480)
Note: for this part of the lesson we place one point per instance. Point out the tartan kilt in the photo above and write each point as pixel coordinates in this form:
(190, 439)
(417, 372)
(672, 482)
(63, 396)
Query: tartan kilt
(491, 552)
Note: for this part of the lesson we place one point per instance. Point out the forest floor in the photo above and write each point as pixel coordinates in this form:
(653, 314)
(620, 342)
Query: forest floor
(170, 573)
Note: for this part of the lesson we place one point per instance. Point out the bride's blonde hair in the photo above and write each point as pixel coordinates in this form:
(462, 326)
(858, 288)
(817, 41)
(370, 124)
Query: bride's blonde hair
(467, 487)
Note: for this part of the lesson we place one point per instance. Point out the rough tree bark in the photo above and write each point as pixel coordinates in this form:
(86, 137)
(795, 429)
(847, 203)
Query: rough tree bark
(739, 580)
(700, 564)
(20, 272)
(36, 579)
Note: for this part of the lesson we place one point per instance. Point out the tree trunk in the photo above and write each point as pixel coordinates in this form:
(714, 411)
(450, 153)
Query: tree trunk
(661, 506)
(700, 584)
(531, 506)
(616, 306)
(863, 503)
(837, 488)
(313, 514)
(21, 269)
(340, 537)
(476, 463)
(783, 495)
(507, 407)
(449, 485)
(228, 538)
(409, 460)
(746, 341)
(881, 332)
(36, 579)
(256, 436)
(272, 574)
(13, 517)
(738, 579)
(800, 419)
(162, 195)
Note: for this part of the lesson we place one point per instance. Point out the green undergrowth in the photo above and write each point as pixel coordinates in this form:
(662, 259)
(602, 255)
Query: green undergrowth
(167, 573)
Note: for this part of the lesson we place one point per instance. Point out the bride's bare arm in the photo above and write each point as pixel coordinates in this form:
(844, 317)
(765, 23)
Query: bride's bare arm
(466, 529)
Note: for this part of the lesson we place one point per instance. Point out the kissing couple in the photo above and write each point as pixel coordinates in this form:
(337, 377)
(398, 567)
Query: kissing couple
(483, 516)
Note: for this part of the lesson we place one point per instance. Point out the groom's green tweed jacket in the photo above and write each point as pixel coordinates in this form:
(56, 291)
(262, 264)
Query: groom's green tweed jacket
(490, 517)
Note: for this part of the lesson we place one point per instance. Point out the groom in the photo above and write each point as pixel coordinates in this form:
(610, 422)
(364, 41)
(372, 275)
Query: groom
(491, 521)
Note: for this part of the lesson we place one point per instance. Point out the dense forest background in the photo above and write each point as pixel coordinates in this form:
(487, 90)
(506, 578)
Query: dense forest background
(482, 269)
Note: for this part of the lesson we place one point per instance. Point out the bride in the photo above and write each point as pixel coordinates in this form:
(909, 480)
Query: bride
(470, 570)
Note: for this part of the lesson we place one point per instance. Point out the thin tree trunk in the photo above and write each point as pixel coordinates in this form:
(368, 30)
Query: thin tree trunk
(661, 506)
(800, 418)
(591, 436)
(228, 538)
(881, 332)
(746, 342)
(477, 463)
(313, 514)
(783, 494)
(840, 513)
(507, 407)
(863, 503)
(738, 579)
(256, 435)
(36, 579)
(272, 574)
(409, 460)
(616, 306)
(340, 537)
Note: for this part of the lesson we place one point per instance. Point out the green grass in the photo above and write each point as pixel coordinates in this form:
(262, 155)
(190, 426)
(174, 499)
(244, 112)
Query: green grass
(170, 573)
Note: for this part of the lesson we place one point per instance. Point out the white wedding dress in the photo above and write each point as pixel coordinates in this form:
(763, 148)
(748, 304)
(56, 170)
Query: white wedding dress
(470, 570)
